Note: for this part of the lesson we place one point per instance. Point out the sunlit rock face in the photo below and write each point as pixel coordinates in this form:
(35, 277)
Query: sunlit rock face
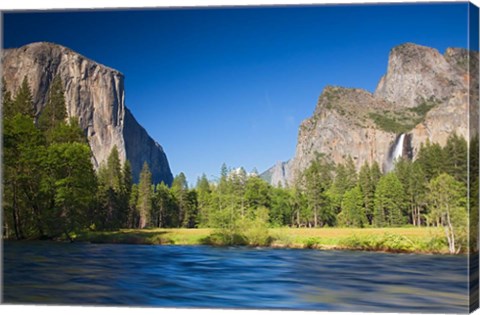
(95, 95)
(427, 93)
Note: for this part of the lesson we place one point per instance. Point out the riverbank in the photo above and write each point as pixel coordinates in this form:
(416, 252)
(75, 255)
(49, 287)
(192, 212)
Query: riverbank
(399, 240)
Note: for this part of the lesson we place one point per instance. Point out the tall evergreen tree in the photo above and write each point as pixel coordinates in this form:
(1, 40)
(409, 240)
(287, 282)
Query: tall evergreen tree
(112, 201)
(144, 202)
(257, 193)
(23, 103)
(54, 111)
(67, 132)
(367, 187)
(317, 180)
(74, 181)
(389, 201)
(432, 160)
(204, 193)
(180, 192)
(133, 220)
(456, 158)
(165, 210)
(353, 211)
(282, 206)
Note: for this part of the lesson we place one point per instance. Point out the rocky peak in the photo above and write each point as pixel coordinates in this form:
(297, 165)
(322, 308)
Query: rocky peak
(416, 73)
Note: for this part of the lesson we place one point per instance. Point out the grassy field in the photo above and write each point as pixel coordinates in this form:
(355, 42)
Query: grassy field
(404, 239)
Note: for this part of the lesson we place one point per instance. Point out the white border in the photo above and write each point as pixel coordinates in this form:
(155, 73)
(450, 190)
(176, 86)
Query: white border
(6, 5)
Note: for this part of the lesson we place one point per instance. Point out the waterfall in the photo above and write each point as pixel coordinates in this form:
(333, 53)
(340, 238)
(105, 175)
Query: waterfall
(398, 149)
(395, 152)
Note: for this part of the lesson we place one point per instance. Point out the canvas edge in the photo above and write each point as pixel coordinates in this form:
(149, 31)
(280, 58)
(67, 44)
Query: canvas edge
(473, 123)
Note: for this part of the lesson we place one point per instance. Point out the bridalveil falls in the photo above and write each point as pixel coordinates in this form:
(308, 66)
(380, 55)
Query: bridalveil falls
(400, 148)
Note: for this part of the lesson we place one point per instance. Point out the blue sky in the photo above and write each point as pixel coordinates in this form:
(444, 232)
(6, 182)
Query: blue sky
(233, 85)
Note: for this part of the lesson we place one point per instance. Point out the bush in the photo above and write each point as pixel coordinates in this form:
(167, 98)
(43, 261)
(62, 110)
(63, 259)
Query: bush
(250, 230)
(282, 237)
(311, 242)
(387, 242)
(224, 238)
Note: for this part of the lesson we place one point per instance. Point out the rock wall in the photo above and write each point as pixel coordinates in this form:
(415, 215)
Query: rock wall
(95, 94)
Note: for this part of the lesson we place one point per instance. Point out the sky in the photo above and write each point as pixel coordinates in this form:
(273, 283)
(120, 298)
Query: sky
(232, 85)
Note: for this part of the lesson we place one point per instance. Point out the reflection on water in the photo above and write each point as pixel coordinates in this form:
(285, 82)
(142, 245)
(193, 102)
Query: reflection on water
(202, 276)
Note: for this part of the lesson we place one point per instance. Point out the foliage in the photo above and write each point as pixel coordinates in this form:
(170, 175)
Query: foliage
(254, 227)
(54, 111)
(353, 211)
(144, 202)
(389, 201)
(402, 121)
(448, 199)
(23, 102)
(74, 183)
(387, 242)
(317, 179)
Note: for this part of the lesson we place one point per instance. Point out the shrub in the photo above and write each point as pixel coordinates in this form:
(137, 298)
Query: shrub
(311, 242)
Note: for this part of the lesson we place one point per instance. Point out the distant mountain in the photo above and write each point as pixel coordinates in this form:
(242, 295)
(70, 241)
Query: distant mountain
(424, 95)
(95, 94)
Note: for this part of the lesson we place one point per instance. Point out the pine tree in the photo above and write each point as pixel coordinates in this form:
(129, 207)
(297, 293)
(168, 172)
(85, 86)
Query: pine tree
(317, 180)
(456, 158)
(389, 201)
(257, 193)
(165, 211)
(114, 168)
(281, 209)
(67, 132)
(125, 192)
(144, 202)
(23, 103)
(180, 192)
(367, 188)
(112, 201)
(204, 193)
(74, 182)
(432, 160)
(133, 220)
(353, 211)
(54, 111)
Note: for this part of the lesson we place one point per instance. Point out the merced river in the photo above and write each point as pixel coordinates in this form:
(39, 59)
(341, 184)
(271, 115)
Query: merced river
(232, 277)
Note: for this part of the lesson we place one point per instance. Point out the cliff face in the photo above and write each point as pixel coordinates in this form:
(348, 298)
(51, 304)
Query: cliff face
(95, 95)
(424, 95)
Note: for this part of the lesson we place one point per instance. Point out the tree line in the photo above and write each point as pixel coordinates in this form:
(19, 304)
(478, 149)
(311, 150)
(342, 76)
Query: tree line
(51, 188)
(430, 191)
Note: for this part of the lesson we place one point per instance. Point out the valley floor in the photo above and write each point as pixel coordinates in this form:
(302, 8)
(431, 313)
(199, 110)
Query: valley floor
(401, 239)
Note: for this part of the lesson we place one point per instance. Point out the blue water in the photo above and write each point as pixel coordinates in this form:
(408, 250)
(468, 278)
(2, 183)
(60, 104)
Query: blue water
(232, 277)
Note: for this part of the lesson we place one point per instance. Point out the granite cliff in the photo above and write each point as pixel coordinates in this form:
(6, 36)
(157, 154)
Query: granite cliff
(95, 95)
(424, 95)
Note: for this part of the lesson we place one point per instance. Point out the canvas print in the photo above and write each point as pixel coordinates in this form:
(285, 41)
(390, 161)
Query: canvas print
(301, 157)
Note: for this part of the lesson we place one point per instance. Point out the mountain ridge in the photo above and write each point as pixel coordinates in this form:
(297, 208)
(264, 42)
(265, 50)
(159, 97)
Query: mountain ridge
(423, 93)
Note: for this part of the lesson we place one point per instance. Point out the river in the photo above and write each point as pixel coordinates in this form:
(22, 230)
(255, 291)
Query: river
(232, 277)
